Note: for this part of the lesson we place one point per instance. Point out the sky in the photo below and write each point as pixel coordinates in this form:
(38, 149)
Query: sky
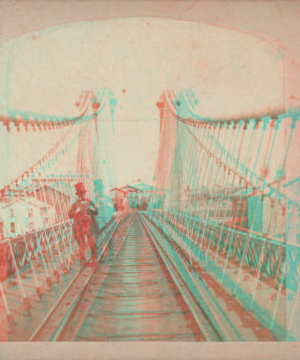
(230, 72)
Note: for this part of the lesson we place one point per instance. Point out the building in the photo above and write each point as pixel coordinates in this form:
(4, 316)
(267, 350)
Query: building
(25, 215)
(139, 196)
(142, 196)
(132, 195)
(145, 195)
(133, 199)
(54, 192)
(118, 197)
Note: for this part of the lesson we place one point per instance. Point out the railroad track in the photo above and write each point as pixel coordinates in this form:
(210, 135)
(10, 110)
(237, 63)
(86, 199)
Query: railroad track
(55, 318)
(141, 290)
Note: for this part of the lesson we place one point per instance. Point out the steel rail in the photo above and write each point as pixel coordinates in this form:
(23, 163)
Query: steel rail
(262, 316)
(209, 310)
(211, 330)
(63, 324)
(210, 333)
(54, 332)
(112, 228)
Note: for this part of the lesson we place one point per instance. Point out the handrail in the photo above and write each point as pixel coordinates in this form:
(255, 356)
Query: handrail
(243, 231)
(34, 233)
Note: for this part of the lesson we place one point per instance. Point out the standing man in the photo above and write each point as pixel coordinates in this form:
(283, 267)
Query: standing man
(84, 229)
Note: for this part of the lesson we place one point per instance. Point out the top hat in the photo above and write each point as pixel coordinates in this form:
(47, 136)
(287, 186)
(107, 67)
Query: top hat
(80, 188)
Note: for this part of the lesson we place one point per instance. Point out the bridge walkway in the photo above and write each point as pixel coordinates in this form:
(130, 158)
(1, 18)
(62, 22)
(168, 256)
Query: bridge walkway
(137, 301)
(144, 288)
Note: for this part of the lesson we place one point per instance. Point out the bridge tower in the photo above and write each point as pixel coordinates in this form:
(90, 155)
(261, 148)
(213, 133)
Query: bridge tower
(95, 150)
(168, 127)
(171, 154)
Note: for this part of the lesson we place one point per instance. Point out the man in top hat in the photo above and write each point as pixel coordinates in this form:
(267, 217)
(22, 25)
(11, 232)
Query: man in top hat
(85, 226)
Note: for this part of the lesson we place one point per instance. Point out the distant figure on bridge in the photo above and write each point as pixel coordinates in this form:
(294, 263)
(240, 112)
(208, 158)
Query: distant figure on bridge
(85, 227)
(106, 208)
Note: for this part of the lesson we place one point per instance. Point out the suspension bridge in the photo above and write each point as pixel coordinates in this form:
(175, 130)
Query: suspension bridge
(214, 257)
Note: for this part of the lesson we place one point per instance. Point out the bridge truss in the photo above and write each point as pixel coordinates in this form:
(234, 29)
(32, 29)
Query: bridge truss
(36, 245)
(231, 199)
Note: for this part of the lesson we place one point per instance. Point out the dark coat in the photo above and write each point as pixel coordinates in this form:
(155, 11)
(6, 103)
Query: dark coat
(83, 212)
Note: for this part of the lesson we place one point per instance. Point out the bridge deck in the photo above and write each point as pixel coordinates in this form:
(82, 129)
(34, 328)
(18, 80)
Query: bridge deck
(140, 291)
(137, 301)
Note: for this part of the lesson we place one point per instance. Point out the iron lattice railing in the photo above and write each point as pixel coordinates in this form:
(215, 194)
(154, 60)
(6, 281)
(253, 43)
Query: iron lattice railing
(216, 244)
